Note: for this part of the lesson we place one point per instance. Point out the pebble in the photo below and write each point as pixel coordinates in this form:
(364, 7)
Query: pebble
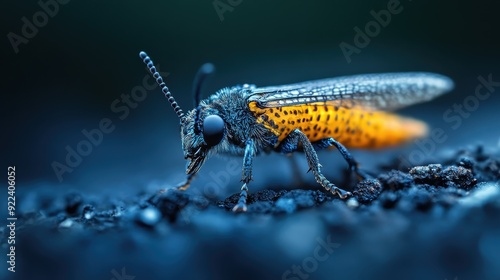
(149, 216)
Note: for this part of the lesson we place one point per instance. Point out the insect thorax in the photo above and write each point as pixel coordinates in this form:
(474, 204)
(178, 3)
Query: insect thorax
(240, 123)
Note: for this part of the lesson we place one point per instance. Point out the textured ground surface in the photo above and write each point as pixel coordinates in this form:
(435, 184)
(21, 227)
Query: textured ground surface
(437, 221)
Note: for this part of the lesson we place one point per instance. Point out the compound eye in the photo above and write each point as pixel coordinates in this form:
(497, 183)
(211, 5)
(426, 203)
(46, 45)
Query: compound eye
(213, 130)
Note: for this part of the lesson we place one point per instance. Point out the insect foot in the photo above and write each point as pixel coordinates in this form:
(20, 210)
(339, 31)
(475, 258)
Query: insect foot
(241, 206)
(332, 188)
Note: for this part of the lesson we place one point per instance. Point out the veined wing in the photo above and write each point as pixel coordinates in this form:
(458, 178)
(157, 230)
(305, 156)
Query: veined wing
(387, 91)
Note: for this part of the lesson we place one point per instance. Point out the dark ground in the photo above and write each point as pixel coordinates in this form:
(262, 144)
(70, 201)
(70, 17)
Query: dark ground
(438, 221)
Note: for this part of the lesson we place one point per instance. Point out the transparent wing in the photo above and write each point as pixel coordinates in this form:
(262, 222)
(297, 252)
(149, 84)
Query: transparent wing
(388, 91)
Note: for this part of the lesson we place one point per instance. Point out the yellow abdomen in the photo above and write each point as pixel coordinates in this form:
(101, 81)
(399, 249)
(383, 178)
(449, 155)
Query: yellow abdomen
(353, 127)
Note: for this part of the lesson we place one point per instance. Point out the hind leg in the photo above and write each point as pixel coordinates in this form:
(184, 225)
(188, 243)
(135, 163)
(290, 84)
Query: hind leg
(353, 164)
(291, 144)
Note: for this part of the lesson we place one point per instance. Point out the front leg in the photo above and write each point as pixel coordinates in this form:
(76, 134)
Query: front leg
(292, 141)
(246, 176)
(184, 186)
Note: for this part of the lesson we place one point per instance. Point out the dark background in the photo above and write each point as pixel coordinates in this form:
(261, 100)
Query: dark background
(65, 79)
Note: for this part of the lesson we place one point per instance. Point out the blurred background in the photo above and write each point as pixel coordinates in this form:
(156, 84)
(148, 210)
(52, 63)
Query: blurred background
(83, 57)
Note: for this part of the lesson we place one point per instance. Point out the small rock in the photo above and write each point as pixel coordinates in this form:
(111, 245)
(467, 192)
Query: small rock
(426, 174)
(352, 203)
(88, 212)
(367, 190)
(395, 180)
(451, 176)
(67, 223)
(149, 216)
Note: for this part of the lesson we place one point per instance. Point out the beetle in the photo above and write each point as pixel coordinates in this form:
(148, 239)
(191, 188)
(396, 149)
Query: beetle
(350, 111)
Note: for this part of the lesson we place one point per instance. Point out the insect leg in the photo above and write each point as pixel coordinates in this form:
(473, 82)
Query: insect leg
(246, 177)
(353, 164)
(315, 166)
(184, 186)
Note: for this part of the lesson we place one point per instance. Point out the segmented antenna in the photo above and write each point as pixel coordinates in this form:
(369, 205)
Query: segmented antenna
(149, 63)
(205, 70)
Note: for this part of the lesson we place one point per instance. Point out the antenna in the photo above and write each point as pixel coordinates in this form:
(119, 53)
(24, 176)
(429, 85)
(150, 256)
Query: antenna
(149, 63)
(205, 70)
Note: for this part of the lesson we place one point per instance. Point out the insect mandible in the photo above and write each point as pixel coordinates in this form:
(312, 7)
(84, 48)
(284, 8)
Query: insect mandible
(351, 111)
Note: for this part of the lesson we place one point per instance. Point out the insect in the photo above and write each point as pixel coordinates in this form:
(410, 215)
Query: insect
(351, 111)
